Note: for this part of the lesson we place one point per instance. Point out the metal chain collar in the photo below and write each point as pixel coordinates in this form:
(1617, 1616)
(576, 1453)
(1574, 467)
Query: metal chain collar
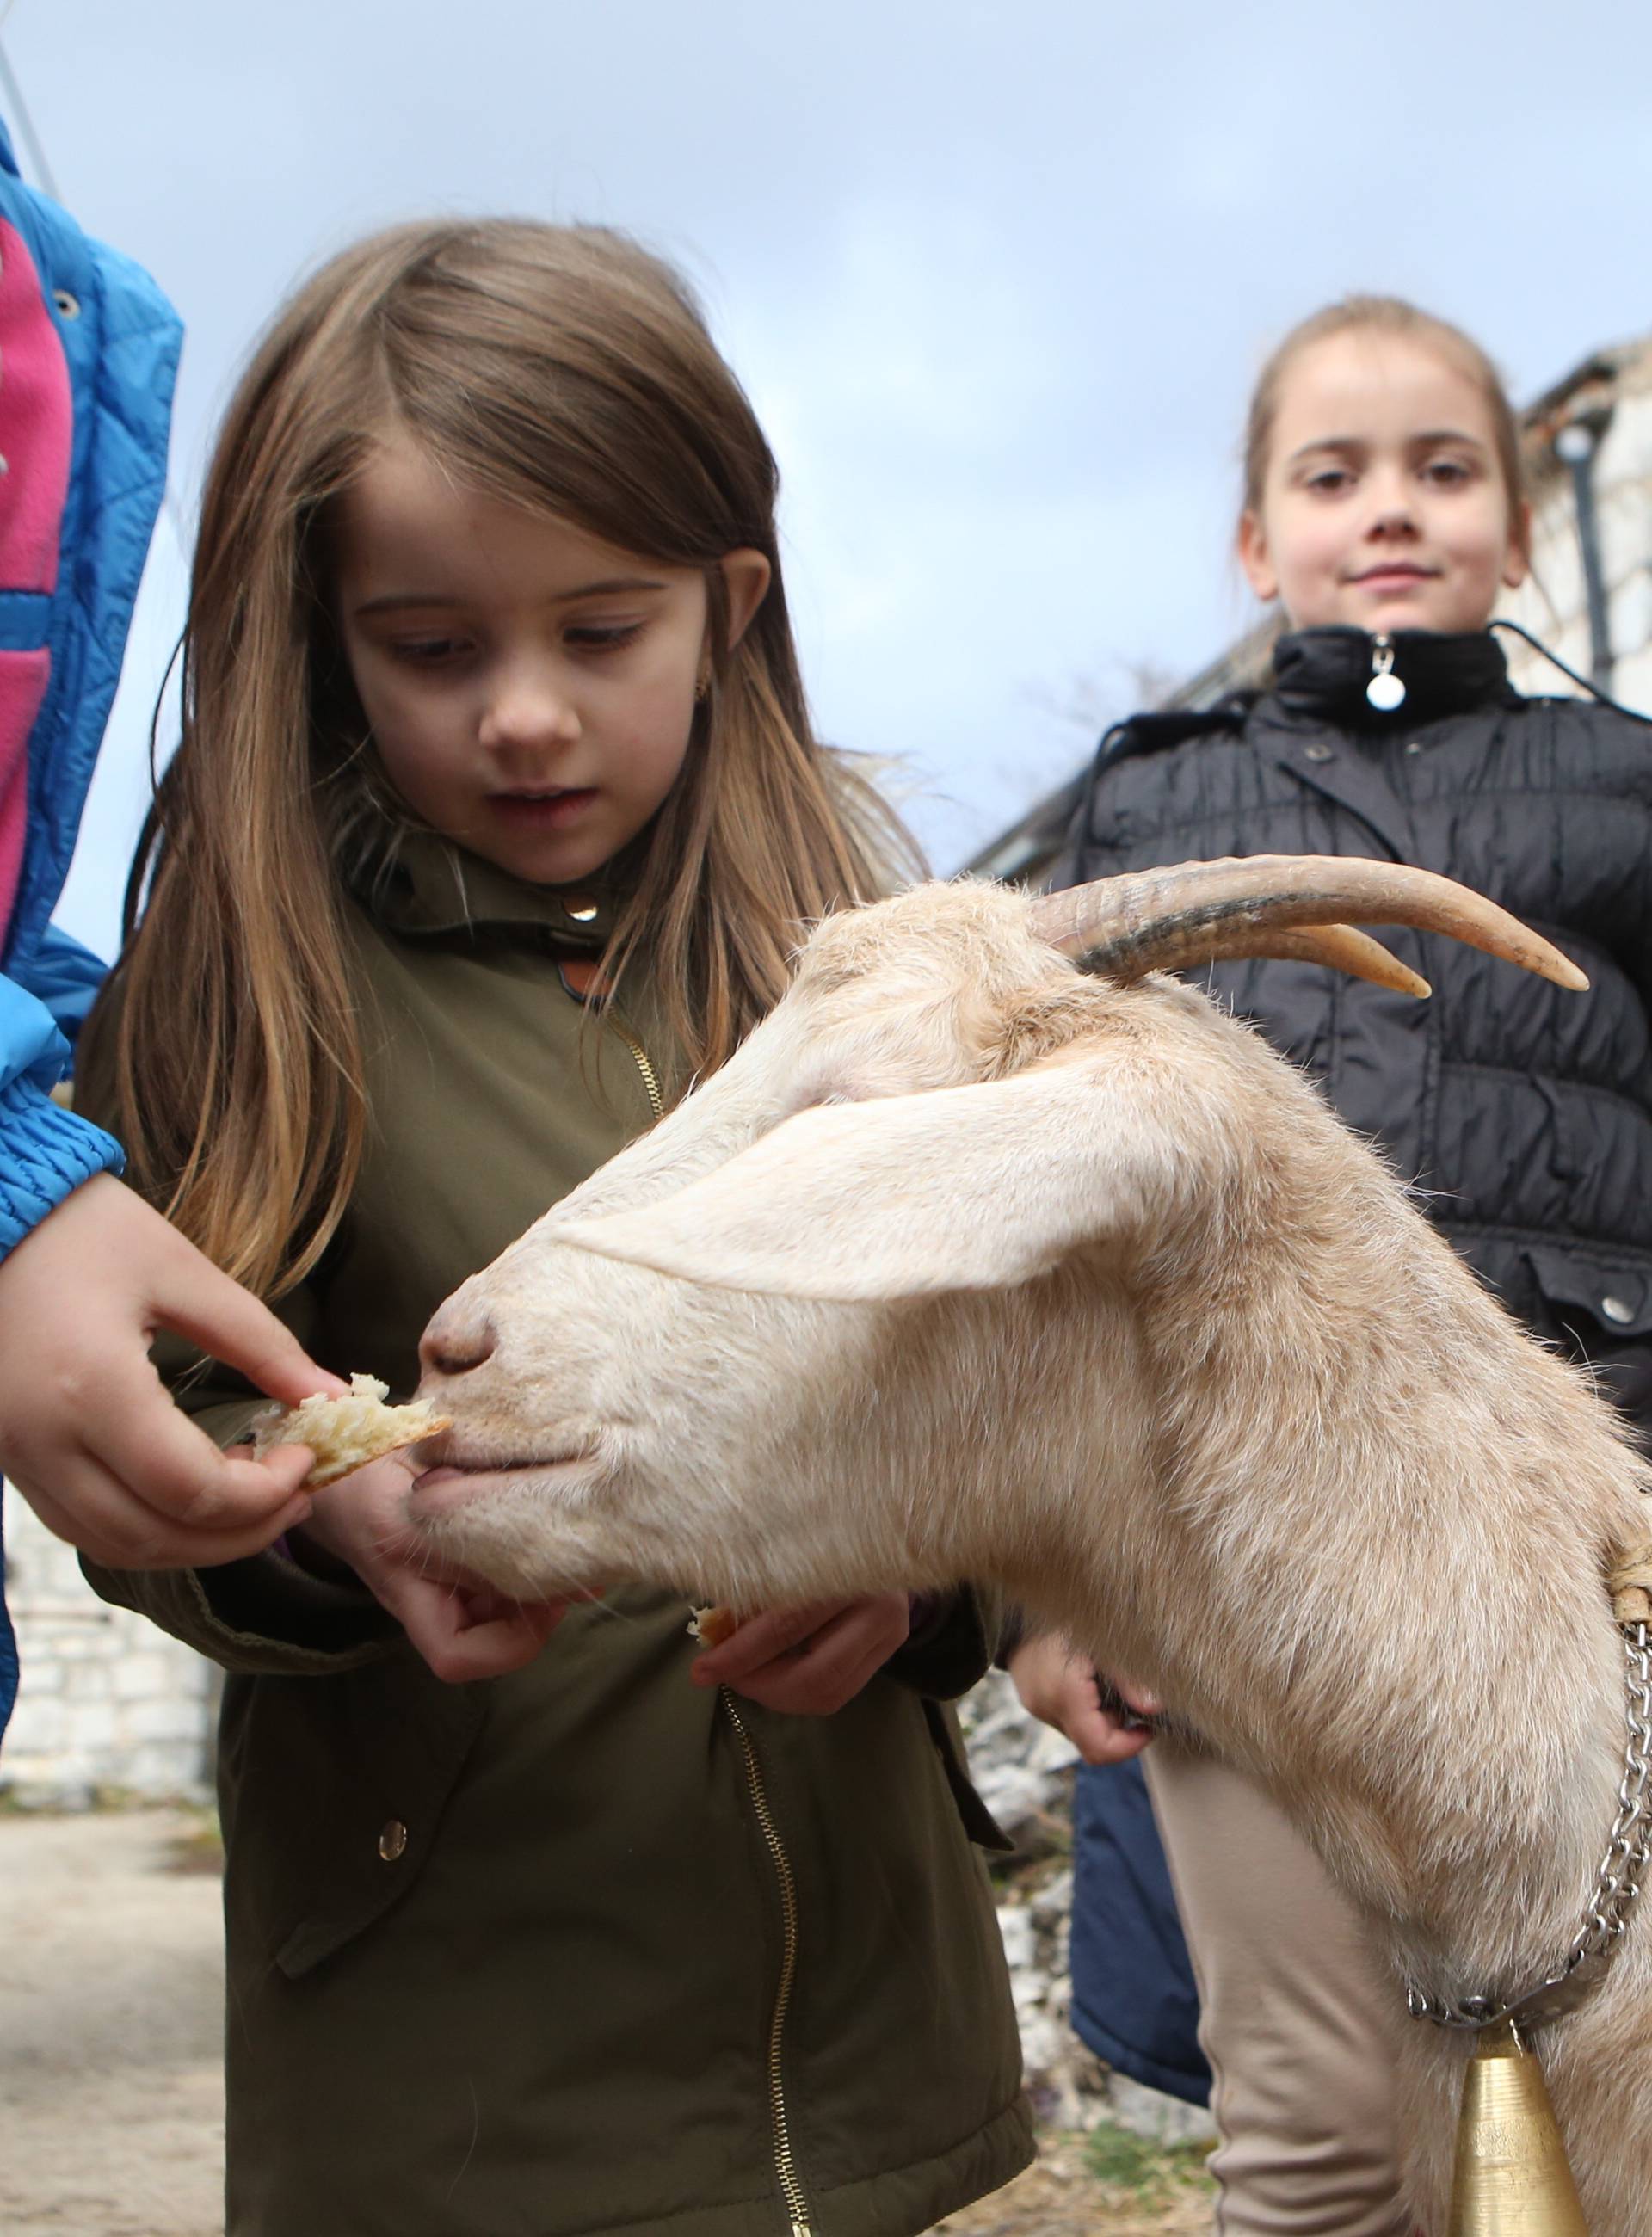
(1617, 1883)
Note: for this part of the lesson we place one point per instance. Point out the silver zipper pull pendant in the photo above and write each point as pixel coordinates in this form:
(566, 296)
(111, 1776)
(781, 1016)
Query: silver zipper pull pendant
(1384, 691)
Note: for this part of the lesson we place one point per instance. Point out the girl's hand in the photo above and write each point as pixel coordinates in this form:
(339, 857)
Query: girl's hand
(463, 1628)
(87, 1433)
(810, 1660)
(1060, 1688)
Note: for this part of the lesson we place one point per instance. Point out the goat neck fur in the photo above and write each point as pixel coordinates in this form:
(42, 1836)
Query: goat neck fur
(969, 1266)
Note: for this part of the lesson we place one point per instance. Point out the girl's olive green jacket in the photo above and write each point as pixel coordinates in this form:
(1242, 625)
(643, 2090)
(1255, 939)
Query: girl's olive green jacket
(583, 1949)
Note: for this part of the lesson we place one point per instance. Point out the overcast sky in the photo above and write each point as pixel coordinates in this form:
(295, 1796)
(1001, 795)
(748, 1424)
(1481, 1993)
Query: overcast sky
(996, 276)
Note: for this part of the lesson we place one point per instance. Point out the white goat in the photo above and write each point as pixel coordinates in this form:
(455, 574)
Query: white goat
(971, 1265)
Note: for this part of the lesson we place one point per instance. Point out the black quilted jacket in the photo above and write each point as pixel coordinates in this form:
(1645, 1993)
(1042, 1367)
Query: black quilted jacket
(1524, 1112)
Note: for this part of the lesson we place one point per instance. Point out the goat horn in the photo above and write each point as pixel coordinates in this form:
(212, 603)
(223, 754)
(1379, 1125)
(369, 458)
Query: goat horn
(1338, 945)
(1168, 920)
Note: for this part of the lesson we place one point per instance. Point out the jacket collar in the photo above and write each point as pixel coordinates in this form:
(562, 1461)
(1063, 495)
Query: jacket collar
(420, 882)
(1323, 673)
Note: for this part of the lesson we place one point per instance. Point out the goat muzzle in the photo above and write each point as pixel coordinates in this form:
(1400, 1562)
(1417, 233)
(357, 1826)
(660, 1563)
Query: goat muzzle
(1300, 908)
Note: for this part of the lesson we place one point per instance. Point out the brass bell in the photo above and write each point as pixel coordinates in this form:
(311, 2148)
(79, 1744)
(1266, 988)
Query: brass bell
(1511, 2177)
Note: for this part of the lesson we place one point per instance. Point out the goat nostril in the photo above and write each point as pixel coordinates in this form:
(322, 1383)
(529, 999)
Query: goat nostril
(457, 1342)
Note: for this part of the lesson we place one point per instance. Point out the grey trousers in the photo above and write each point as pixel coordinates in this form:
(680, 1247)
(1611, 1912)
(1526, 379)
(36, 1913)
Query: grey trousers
(1297, 2013)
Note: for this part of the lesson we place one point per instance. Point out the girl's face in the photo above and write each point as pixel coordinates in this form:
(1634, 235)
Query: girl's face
(1383, 505)
(530, 689)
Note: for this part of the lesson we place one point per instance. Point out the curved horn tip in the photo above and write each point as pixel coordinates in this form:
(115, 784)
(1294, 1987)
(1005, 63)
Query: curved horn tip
(1152, 916)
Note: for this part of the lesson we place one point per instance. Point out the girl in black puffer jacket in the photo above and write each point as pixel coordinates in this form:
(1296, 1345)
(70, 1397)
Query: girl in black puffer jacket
(1383, 509)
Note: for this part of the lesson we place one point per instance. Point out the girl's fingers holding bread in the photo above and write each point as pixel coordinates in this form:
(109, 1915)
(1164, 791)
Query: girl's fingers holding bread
(87, 1432)
(809, 1661)
(98, 1513)
(193, 1299)
(756, 1642)
(165, 1465)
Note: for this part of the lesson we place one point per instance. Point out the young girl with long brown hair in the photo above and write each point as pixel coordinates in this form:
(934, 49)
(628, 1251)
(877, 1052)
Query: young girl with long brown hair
(496, 814)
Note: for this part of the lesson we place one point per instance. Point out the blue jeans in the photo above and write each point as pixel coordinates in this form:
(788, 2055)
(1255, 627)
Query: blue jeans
(8, 1637)
(1133, 1999)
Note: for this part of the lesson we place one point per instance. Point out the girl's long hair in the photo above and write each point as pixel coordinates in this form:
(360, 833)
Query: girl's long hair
(559, 368)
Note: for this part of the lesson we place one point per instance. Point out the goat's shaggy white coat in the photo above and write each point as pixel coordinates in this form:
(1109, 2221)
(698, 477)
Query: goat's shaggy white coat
(969, 1266)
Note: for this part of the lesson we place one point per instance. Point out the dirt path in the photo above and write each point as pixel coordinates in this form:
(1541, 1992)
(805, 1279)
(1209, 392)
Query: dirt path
(1060, 2198)
(111, 2094)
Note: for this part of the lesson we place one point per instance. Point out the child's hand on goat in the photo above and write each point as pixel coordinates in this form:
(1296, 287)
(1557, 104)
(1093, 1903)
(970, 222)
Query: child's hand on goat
(809, 1661)
(1064, 1689)
(463, 1627)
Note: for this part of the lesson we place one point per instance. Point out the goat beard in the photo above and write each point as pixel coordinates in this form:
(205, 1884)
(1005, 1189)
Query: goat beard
(501, 1537)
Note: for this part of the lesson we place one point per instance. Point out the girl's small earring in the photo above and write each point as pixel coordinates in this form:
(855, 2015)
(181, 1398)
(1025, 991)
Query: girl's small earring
(703, 690)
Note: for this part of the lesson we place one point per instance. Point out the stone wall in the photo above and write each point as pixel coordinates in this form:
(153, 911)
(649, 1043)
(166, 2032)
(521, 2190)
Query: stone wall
(109, 1705)
(1025, 1773)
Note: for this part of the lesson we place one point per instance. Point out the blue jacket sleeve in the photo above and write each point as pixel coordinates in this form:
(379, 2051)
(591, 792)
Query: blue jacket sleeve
(44, 1151)
(64, 975)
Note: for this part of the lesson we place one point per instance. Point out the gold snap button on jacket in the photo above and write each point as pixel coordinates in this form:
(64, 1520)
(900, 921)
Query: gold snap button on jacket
(392, 1840)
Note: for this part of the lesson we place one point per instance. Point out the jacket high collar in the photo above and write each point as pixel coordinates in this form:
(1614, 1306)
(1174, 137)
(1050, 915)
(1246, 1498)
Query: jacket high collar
(424, 883)
(1324, 673)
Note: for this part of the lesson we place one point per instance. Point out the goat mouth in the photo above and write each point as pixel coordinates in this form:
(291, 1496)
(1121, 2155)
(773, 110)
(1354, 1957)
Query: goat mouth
(450, 1484)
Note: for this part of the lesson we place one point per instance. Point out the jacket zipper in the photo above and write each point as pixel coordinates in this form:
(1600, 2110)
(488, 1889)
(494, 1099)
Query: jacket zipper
(651, 1081)
(791, 2188)
(643, 1065)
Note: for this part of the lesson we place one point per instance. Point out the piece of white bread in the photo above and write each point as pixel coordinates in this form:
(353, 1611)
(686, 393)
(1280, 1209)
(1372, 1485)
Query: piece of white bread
(711, 1626)
(345, 1433)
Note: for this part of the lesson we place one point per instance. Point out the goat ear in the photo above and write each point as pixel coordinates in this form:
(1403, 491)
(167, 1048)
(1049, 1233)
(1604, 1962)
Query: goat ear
(966, 1188)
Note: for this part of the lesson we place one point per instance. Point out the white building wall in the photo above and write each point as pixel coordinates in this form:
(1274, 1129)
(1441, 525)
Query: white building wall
(108, 1706)
(1554, 604)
